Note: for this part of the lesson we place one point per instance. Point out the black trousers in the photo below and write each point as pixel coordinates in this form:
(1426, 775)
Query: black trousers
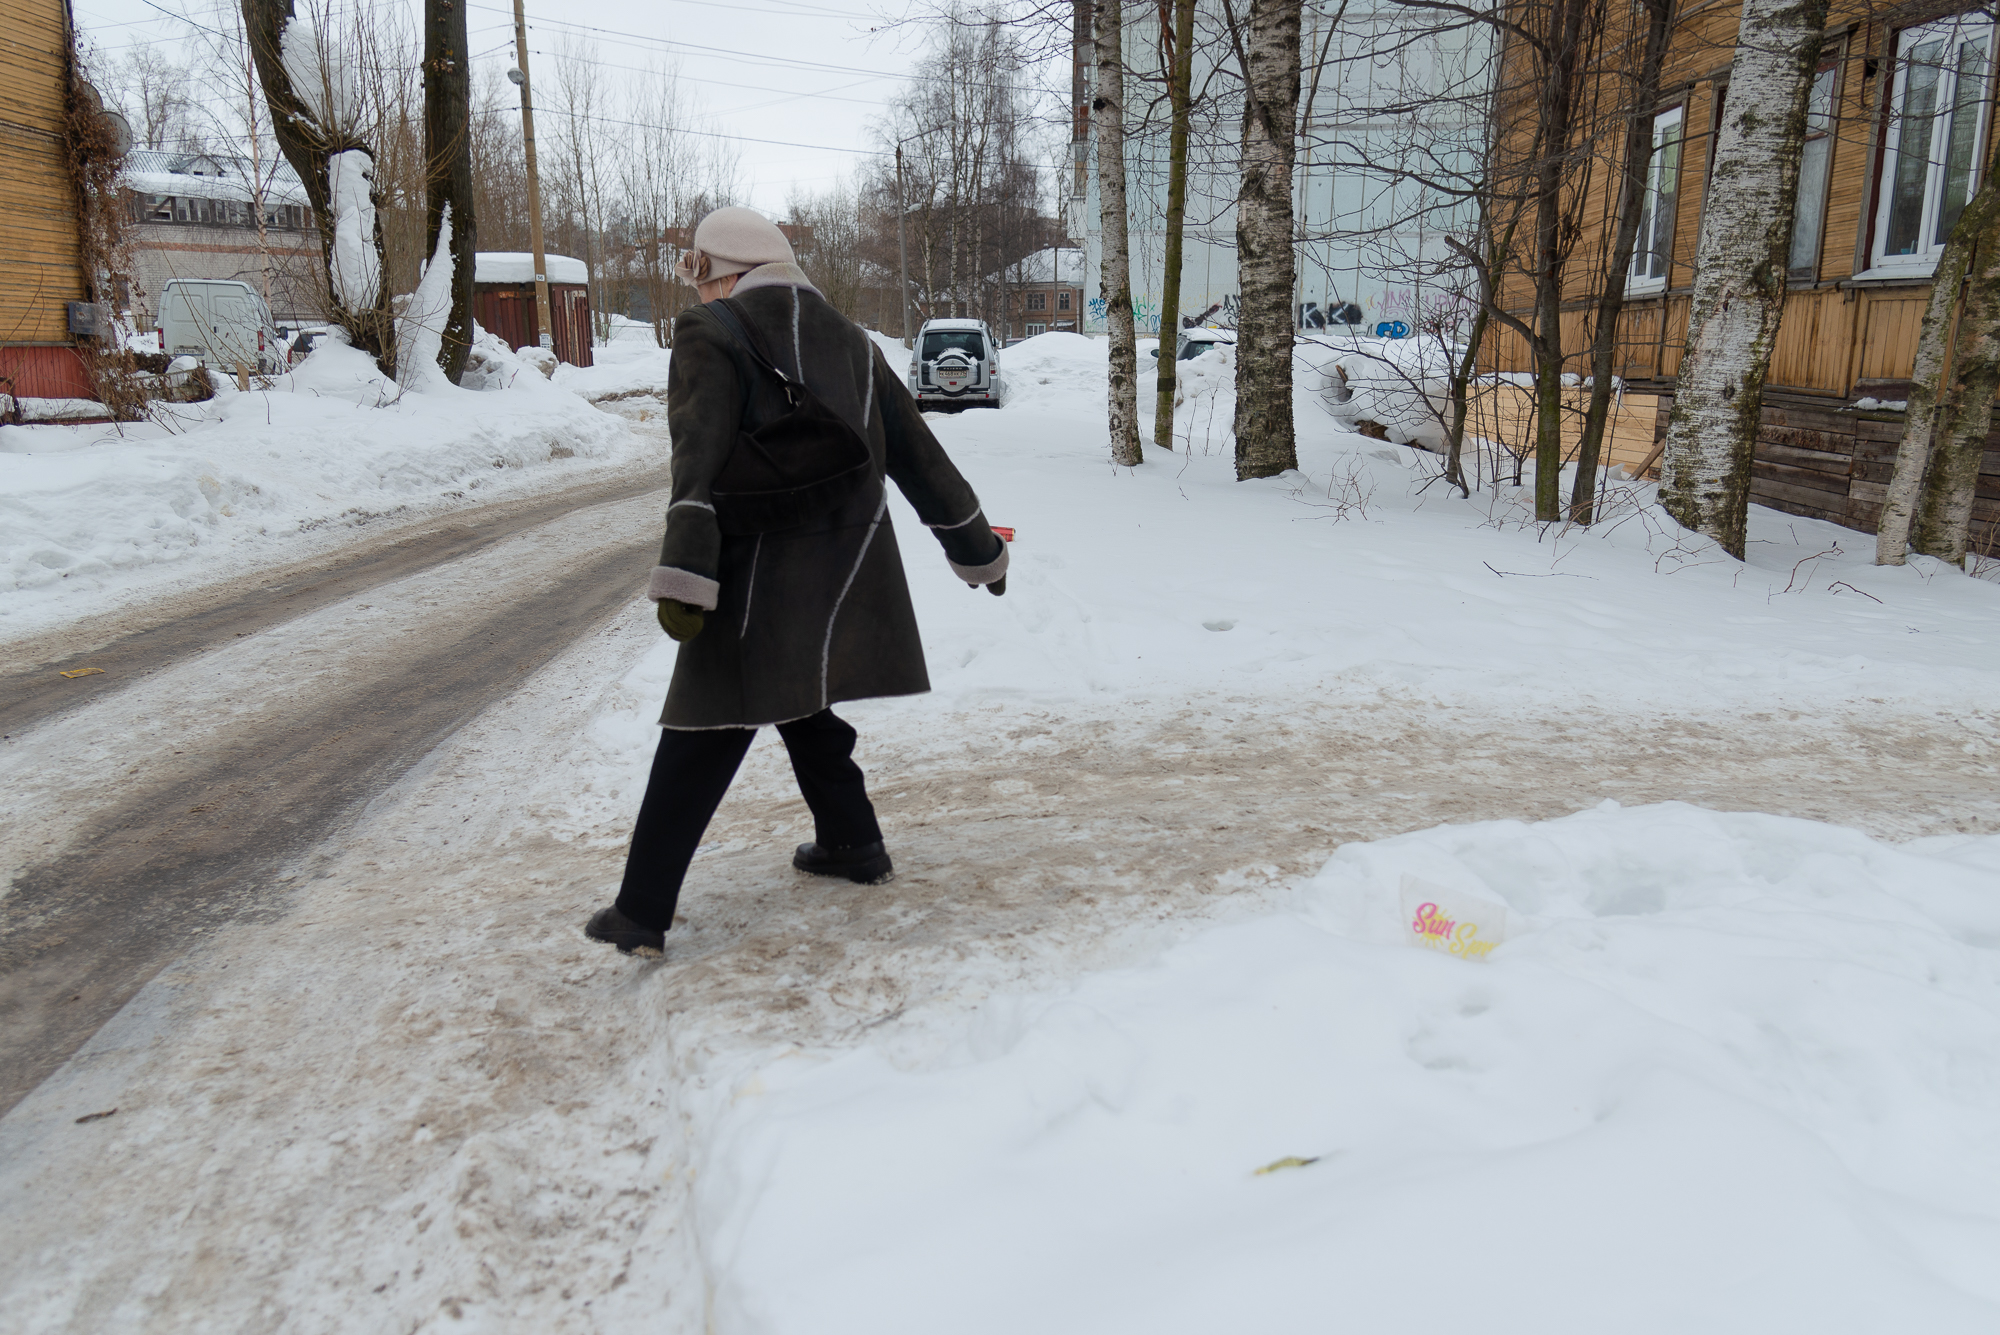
(691, 772)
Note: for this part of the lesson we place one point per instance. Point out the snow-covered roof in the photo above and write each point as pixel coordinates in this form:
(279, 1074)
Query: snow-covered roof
(518, 266)
(953, 324)
(1065, 262)
(210, 176)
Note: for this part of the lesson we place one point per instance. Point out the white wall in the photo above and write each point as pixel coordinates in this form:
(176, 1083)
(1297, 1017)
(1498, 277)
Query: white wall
(1388, 99)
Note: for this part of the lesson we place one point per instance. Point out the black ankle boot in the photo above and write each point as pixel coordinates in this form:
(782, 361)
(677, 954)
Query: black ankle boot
(867, 865)
(614, 928)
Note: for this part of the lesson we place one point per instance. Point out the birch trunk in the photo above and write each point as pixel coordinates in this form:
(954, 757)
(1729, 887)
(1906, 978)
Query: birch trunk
(1936, 400)
(448, 168)
(1180, 80)
(1944, 515)
(1108, 106)
(1740, 264)
(1631, 193)
(1268, 48)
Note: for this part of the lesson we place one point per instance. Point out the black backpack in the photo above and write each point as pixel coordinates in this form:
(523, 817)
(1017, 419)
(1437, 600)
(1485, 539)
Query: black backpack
(791, 470)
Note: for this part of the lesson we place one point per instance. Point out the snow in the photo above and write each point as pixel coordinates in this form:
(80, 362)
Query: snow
(1743, 1065)
(1729, 1071)
(325, 80)
(52, 410)
(278, 190)
(422, 315)
(1867, 405)
(357, 271)
(518, 266)
(93, 515)
(629, 377)
(1740, 1063)
(1402, 384)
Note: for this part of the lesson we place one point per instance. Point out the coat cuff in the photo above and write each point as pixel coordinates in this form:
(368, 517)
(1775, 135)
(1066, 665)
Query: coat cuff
(684, 586)
(985, 574)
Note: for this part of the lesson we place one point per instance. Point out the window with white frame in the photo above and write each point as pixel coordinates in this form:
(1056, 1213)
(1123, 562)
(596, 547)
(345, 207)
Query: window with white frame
(1653, 249)
(1815, 157)
(1937, 115)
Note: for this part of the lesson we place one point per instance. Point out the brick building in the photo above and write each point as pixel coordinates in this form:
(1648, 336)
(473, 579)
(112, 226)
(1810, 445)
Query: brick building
(1045, 293)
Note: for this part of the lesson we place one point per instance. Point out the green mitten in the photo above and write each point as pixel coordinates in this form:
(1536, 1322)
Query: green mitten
(680, 620)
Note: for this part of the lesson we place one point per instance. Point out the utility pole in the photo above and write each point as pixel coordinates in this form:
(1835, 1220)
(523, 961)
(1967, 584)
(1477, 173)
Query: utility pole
(519, 75)
(902, 244)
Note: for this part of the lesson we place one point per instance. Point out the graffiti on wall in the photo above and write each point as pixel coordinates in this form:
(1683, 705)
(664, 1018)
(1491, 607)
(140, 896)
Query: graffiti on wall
(1145, 314)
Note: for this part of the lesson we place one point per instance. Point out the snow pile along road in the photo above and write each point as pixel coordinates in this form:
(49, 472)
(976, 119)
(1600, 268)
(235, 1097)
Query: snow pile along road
(91, 514)
(1732, 1073)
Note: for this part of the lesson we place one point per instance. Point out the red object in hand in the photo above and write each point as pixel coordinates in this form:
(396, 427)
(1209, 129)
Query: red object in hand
(1006, 534)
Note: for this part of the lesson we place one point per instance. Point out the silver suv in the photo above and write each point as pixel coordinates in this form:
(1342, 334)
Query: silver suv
(956, 363)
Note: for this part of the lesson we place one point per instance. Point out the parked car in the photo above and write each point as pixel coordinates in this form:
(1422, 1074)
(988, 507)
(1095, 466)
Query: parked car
(956, 363)
(222, 322)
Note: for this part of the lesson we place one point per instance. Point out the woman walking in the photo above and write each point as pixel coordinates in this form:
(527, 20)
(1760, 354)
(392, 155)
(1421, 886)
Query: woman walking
(779, 574)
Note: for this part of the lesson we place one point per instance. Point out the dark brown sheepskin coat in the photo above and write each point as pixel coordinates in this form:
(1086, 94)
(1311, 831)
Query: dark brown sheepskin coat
(805, 618)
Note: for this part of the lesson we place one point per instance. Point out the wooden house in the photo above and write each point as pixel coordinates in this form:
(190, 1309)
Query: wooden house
(38, 206)
(503, 301)
(1899, 131)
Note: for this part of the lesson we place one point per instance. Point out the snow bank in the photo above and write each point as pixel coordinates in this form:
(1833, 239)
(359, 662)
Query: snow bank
(88, 514)
(1363, 571)
(1733, 1073)
(1400, 384)
(628, 379)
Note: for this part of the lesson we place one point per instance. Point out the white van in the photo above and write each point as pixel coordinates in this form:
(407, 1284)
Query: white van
(956, 363)
(221, 321)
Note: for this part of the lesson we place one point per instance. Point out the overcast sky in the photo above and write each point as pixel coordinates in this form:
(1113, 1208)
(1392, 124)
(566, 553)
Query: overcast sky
(804, 77)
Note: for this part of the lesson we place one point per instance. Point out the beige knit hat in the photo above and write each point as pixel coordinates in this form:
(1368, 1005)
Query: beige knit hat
(732, 240)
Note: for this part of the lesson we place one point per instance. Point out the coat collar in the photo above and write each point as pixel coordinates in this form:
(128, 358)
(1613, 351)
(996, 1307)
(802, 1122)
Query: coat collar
(775, 275)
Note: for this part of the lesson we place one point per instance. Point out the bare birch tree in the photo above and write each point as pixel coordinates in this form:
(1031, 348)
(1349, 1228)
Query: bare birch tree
(1107, 110)
(1267, 50)
(1950, 409)
(1740, 270)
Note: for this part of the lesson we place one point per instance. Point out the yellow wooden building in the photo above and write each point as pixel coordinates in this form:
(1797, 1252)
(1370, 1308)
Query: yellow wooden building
(40, 270)
(1898, 134)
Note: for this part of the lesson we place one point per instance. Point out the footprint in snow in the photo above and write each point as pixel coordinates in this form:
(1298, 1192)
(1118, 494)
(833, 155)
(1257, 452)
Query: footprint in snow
(1219, 625)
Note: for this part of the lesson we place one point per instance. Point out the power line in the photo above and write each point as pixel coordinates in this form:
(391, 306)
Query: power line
(678, 76)
(727, 53)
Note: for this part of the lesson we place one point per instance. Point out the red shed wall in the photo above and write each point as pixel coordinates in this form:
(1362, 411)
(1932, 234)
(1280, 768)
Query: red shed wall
(507, 310)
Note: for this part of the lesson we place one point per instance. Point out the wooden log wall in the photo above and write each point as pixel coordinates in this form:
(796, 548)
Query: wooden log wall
(1828, 461)
(38, 206)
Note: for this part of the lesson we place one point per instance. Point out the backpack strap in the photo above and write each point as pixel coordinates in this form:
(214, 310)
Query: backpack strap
(732, 323)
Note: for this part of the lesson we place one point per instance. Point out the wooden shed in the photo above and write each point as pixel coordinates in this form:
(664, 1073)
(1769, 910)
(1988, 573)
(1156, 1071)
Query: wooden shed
(38, 211)
(503, 301)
